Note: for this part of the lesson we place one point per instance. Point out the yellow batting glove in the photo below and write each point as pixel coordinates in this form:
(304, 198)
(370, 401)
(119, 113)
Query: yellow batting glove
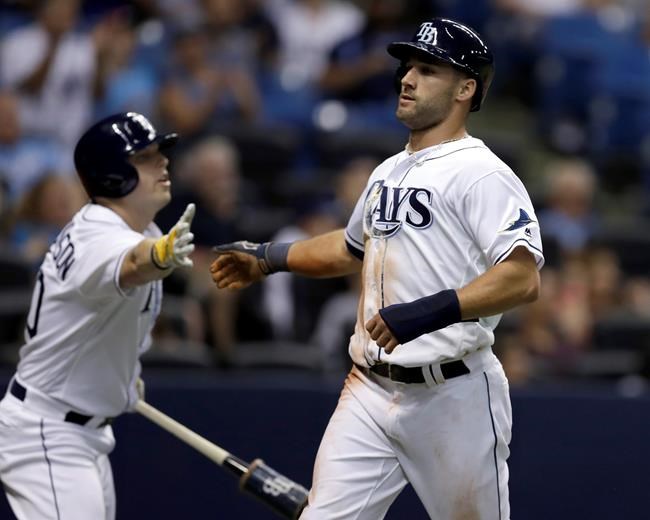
(173, 249)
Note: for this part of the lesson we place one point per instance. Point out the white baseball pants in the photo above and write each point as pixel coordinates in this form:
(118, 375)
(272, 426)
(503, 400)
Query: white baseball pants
(54, 470)
(450, 441)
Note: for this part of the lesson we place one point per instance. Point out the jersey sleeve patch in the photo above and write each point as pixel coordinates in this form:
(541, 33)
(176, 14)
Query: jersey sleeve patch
(522, 221)
(501, 216)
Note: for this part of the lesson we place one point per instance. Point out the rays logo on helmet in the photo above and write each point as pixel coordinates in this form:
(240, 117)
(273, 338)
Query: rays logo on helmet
(144, 123)
(387, 208)
(131, 136)
(428, 34)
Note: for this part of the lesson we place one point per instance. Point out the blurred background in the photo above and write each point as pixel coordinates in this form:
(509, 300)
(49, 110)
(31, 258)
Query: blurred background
(284, 108)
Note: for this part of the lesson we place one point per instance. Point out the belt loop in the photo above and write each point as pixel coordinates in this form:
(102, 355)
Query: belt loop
(428, 376)
(437, 373)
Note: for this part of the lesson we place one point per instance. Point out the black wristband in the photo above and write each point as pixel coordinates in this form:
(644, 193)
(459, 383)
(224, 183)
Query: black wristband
(273, 256)
(408, 321)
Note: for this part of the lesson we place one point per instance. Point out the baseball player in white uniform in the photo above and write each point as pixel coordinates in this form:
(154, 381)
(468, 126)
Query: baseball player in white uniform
(95, 300)
(448, 240)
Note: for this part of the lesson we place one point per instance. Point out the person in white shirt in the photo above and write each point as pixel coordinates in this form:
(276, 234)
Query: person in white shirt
(308, 30)
(56, 70)
(446, 239)
(95, 300)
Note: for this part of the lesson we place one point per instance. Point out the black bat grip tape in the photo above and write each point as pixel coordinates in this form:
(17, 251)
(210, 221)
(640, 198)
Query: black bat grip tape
(235, 465)
(283, 495)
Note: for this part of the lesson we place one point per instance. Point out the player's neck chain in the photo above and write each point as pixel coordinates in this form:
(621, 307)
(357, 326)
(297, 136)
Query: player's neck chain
(435, 146)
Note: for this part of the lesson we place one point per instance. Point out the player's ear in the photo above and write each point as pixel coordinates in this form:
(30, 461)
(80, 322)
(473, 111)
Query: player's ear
(466, 89)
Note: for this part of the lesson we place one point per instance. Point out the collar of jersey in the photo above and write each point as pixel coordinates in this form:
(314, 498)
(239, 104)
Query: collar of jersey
(98, 213)
(92, 212)
(439, 150)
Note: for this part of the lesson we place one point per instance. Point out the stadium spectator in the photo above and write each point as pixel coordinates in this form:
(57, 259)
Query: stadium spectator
(557, 328)
(539, 8)
(569, 217)
(209, 176)
(242, 35)
(131, 83)
(349, 183)
(24, 159)
(515, 26)
(198, 93)
(41, 214)
(579, 66)
(292, 303)
(308, 31)
(606, 283)
(336, 318)
(359, 71)
(55, 69)
(637, 297)
(167, 12)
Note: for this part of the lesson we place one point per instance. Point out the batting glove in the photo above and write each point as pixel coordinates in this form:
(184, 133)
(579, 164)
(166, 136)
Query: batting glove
(271, 256)
(173, 249)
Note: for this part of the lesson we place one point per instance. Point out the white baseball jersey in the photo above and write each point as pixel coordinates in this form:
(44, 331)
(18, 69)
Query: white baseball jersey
(434, 220)
(84, 333)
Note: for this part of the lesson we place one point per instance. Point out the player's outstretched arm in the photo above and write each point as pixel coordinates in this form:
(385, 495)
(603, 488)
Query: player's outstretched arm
(153, 259)
(240, 264)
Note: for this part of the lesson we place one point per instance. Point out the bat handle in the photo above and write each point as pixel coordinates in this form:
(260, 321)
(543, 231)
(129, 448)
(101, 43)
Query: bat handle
(201, 444)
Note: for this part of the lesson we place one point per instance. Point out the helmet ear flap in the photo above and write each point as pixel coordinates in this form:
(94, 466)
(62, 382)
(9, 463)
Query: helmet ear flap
(399, 75)
(113, 178)
(119, 181)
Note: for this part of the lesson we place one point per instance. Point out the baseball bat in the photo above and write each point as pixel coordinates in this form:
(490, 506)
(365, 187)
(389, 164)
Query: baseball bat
(283, 495)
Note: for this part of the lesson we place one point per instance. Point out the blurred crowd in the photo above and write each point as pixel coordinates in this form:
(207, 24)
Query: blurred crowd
(285, 107)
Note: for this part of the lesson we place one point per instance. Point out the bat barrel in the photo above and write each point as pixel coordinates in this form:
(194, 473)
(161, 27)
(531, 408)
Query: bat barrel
(283, 495)
(286, 497)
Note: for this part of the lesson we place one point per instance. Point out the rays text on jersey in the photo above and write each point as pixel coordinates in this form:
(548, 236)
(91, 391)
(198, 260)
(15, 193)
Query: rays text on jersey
(389, 207)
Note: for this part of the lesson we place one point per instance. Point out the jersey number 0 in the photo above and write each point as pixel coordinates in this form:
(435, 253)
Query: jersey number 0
(31, 326)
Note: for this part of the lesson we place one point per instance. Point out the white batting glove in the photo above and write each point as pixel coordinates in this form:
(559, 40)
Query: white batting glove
(173, 249)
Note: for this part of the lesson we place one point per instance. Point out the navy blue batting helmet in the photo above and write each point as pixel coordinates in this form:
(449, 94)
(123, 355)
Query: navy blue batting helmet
(452, 42)
(102, 153)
